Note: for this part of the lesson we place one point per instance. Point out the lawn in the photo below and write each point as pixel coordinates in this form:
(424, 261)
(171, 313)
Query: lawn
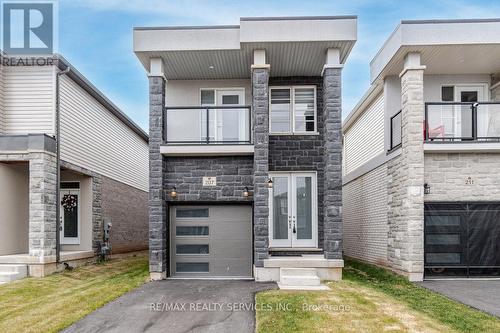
(55, 302)
(368, 299)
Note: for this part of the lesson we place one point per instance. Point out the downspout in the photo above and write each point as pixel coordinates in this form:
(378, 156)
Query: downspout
(58, 167)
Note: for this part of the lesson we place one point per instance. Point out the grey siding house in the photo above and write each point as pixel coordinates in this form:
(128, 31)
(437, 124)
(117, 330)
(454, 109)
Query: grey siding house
(245, 148)
(422, 153)
(102, 171)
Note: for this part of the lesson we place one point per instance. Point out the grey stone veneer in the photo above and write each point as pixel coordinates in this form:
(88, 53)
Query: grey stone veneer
(157, 165)
(186, 173)
(42, 209)
(260, 108)
(332, 122)
(302, 152)
(405, 183)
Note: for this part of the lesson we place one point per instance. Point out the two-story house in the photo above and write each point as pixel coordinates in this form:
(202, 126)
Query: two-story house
(103, 173)
(422, 153)
(245, 148)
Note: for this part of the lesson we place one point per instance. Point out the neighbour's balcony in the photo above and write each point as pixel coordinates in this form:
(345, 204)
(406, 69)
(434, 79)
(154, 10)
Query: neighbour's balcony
(472, 124)
(207, 130)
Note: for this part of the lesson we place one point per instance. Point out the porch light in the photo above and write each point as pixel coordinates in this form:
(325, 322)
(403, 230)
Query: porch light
(427, 189)
(246, 193)
(270, 183)
(173, 193)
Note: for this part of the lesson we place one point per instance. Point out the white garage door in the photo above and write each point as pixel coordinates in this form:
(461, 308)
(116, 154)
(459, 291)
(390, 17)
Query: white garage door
(211, 241)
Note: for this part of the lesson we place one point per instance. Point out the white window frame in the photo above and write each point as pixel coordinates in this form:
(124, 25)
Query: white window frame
(292, 110)
(216, 99)
(292, 241)
(72, 240)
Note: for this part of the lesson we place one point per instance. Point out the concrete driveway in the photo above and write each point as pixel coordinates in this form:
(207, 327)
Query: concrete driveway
(483, 295)
(179, 306)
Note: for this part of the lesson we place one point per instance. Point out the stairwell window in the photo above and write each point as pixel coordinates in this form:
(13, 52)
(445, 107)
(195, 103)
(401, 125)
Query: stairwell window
(293, 110)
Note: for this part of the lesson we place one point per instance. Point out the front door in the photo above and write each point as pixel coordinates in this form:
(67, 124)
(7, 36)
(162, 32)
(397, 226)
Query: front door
(70, 216)
(293, 220)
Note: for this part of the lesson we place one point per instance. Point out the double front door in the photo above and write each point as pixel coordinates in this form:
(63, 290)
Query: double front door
(293, 218)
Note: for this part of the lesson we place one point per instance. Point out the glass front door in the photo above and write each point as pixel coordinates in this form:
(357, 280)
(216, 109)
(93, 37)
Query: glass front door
(293, 206)
(70, 216)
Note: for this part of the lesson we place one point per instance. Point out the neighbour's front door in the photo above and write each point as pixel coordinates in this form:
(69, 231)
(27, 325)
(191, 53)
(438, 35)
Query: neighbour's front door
(293, 210)
(70, 216)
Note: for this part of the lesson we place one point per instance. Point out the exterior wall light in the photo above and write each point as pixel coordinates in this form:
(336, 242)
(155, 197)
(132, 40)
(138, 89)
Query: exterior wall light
(246, 193)
(270, 183)
(173, 193)
(427, 189)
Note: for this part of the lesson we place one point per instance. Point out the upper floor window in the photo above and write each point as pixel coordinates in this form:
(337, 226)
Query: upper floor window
(293, 110)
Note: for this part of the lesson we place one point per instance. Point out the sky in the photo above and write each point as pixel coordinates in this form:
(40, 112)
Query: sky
(96, 35)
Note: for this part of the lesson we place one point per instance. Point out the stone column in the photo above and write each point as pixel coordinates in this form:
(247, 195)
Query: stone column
(42, 204)
(406, 178)
(332, 198)
(157, 165)
(260, 111)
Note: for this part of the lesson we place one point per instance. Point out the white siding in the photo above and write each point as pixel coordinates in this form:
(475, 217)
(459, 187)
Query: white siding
(365, 138)
(94, 138)
(29, 99)
(364, 212)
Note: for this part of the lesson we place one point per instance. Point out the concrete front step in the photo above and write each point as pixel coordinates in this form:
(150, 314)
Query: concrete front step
(312, 288)
(300, 280)
(9, 273)
(298, 272)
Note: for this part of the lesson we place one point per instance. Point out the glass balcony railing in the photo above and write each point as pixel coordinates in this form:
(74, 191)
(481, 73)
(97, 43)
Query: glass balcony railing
(207, 125)
(457, 122)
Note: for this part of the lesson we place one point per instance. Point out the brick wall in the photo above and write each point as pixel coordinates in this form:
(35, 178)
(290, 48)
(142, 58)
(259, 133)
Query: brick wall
(448, 176)
(127, 209)
(186, 174)
(365, 228)
(301, 152)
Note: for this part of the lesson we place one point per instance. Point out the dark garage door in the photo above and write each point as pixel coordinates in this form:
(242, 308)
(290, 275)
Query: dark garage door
(213, 241)
(462, 239)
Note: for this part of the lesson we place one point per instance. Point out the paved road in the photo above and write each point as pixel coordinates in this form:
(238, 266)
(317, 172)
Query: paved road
(179, 306)
(480, 294)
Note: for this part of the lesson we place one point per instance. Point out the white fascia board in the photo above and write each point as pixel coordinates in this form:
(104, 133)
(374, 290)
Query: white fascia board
(421, 33)
(294, 30)
(186, 39)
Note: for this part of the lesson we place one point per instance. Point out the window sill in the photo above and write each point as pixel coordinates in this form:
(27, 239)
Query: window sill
(294, 134)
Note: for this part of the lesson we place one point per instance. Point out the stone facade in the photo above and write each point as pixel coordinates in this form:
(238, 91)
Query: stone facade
(42, 201)
(406, 182)
(158, 238)
(302, 152)
(332, 127)
(463, 176)
(233, 174)
(260, 114)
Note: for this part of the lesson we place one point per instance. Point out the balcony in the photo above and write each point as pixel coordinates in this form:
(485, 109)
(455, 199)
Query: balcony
(464, 123)
(207, 130)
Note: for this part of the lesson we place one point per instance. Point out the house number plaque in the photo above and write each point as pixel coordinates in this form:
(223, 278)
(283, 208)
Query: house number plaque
(209, 181)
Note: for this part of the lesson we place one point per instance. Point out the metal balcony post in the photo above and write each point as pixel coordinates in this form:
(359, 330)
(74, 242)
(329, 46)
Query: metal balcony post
(208, 126)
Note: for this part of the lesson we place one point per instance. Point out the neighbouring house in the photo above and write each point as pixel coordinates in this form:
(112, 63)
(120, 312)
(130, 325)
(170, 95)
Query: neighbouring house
(421, 182)
(104, 171)
(245, 148)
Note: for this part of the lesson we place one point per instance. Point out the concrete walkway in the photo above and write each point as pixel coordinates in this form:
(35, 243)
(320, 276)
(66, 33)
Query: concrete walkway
(483, 295)
(179, 306)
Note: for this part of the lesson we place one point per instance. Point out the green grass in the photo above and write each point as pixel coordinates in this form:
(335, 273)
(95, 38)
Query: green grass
(453, 314)
(368, 299)
(52, 303)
